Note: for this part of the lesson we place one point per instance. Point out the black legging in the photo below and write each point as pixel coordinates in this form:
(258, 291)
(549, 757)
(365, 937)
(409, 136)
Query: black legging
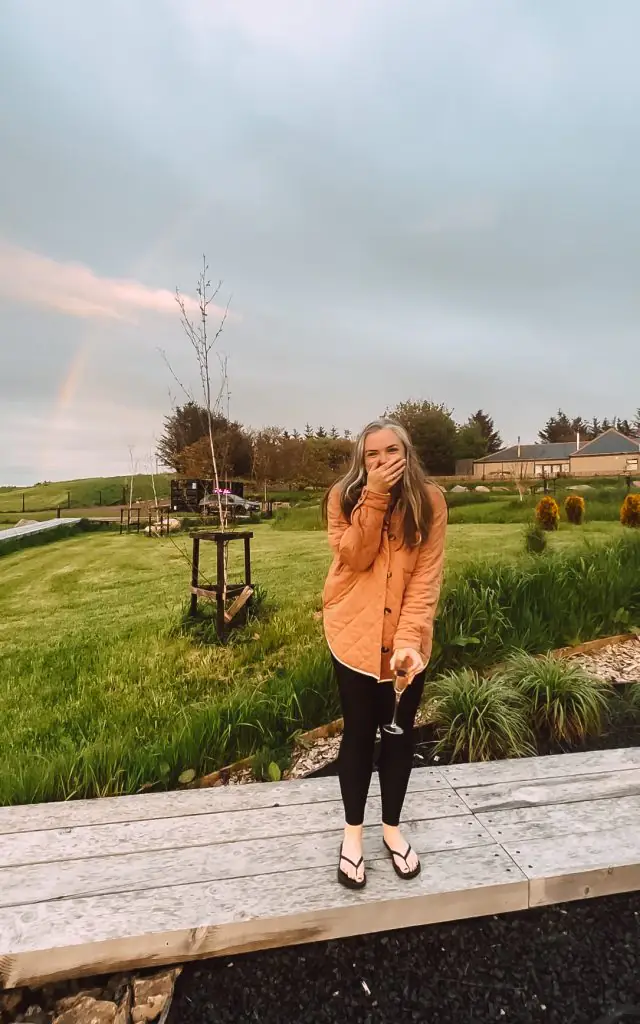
(367, 704)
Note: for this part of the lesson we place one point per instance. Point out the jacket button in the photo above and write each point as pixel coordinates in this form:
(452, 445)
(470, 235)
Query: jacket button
(385, 650)
(389, 575)
(392, 536)
(387, 611)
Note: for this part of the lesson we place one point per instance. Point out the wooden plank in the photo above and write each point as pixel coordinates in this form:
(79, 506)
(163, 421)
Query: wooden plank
(529, 768)
(70, 813)
(568, 868)
(571, 789)
(236, 605)
(130, 873)
(203, 829)
(540, 822)
(41, 942)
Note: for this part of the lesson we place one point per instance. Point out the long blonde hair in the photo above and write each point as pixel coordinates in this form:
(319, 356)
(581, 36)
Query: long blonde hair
(414, 499)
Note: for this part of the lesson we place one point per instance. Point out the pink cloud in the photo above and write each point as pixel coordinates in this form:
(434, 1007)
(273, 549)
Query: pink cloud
(76, 290)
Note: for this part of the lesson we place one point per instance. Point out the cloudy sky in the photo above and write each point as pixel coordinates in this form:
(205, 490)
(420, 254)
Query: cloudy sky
(431, 200)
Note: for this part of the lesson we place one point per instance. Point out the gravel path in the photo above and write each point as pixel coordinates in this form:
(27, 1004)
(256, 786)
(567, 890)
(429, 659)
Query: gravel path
(575, 964)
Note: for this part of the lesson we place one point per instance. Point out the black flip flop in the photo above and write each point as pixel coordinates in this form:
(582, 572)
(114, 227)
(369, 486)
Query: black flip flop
(399, 872)
(345, 879)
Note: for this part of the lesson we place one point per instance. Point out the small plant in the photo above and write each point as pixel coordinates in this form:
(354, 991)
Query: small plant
(267, 764)
(566, 704)
(548, 513)
(535, 539)
(630, 511)
(479, 719)
(574, 507)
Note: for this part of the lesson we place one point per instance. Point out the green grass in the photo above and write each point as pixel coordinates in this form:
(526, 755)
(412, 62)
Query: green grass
(90, 492)
(603, 504)
(100, 691)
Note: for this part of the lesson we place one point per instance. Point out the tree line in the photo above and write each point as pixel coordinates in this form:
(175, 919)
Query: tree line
(564, 428)
(315, 456)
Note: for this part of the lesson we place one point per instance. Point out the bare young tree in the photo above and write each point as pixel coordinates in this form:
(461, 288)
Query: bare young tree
(134, 465)
(204, 342)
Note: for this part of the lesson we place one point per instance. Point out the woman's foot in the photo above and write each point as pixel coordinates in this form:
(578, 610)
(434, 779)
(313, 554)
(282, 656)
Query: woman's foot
(405, 859)
(351, 853)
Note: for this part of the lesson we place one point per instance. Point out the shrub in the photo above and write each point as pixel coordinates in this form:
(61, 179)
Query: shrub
(548, 513)
(630, 511)
(479, 719)
(535, 539)
(566, 704)
(574, 507)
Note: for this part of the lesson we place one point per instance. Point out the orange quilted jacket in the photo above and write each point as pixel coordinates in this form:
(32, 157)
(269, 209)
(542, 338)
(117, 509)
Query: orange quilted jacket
(379, 595)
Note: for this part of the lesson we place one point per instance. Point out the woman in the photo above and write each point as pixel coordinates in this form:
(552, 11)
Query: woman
(386, 529)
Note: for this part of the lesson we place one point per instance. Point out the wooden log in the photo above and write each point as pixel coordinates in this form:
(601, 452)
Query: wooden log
(120, 810)
(106, 933)
(69, 844)
(129, 873)
(543, 792)
(543, 821)
(530, 769)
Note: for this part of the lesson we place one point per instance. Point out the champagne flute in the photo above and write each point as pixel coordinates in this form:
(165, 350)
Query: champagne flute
(392, 727)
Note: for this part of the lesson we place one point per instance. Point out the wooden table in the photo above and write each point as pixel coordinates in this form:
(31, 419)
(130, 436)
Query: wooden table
(102, 885)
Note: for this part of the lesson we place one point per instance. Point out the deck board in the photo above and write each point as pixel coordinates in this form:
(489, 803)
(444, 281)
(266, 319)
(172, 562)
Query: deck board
(104, 885)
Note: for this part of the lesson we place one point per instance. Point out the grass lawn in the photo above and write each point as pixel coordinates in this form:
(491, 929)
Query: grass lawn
(101, 693)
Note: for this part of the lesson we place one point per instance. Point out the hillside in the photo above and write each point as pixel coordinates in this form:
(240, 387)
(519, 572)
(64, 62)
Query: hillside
(106, 490)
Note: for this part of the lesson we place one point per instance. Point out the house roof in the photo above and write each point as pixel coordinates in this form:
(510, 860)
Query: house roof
(533, 452)
(612, 442)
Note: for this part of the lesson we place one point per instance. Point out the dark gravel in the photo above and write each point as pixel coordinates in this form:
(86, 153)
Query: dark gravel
(576, 964)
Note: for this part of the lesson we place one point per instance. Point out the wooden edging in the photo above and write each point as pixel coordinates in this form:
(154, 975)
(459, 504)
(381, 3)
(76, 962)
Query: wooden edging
(323, 732)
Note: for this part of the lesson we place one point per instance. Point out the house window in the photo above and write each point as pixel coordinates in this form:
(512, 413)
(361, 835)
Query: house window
(632, 463)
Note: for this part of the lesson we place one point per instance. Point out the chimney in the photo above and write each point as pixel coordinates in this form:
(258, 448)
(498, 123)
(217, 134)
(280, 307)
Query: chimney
(518, 447)
(578, 441)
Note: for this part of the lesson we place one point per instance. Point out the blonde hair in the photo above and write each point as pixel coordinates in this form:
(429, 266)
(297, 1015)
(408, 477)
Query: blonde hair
(414, 499)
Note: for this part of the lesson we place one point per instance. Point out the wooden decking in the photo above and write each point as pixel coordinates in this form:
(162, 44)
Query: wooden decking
(96, 886)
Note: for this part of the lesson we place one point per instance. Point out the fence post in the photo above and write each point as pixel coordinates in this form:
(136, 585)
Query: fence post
(23, 502)
(68, 499)
(58, 512)
(195, 571)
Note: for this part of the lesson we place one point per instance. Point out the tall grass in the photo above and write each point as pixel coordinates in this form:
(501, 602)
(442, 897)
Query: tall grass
(537, 605)
(479, 719)
(94, 713)
(305, 518)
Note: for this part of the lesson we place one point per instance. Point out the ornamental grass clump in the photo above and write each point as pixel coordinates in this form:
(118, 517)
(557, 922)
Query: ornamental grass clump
(630, 511)
(478, 719)
(574, 507)
(548, 513)
(566, 704)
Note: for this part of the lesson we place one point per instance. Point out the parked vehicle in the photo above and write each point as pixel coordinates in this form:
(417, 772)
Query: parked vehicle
(230, 503)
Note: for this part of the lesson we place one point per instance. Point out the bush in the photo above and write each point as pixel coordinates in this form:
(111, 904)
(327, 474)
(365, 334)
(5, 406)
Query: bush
(479, 719)
(630, 511)
(574, 507)
(535, 539)
(566, 704)
(548, 513)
